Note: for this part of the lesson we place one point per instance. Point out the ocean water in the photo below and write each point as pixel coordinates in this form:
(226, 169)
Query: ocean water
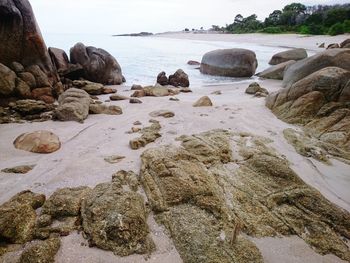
(142, 58)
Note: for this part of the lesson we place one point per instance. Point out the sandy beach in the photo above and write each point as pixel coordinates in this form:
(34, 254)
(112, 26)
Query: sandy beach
(80, 160)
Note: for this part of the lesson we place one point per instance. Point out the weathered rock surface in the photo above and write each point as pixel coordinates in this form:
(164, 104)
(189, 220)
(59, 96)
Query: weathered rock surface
(17, 217)
(135, 101)
(38, 142)
(229, 62)
(205, 196)
(41, 251)
(277, 71)
(321, 103)
(293, 54)
(99, 66)
(255, 88)
(91, 88)
(30, 107)
(24, 42)
(149, 134)
(116, 220)
(7, 80)
(117, 97)
(59, 58)
(104, 109)
(345, 43)
(162, 113)
(203, 102)
(65, 202)
(329, 58)
(179, 79)
(73, 105)
(162, 79)
(21, 169)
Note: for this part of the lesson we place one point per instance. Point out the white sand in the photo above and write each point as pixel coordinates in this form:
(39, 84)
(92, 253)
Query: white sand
(280, 40)
(80, 159)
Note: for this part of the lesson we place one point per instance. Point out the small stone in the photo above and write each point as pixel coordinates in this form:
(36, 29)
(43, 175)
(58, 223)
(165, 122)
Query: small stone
(137, 123)
(203, 102)
(162, 113)
(174, 99)
(21, 169)
(135, 129)
(135, 101)
(217, 92)
(117, 97)
(114, 159)
(136, 87)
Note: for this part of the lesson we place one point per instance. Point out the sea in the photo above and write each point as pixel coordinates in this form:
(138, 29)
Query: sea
(142, 58)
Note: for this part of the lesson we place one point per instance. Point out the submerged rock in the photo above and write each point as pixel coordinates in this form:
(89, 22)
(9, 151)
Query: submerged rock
(116, 220)
(229, 63)
(38, 142)
(149, 134)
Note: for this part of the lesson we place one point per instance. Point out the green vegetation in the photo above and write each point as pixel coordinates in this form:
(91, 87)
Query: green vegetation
(296, 17)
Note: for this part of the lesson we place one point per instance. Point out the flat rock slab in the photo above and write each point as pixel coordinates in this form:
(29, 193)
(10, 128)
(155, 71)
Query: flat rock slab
(162, 113)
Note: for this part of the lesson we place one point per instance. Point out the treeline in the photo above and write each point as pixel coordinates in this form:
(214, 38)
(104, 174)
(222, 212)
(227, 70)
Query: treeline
(296, 17)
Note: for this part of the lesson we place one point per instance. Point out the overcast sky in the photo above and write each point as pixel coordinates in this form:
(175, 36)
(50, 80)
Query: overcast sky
(126, 16)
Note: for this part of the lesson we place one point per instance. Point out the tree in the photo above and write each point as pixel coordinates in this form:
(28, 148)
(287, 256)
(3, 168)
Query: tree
(291, 13)
(274, 18)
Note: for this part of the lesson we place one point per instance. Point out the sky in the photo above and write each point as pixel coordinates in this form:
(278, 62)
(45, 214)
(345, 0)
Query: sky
(129, 16)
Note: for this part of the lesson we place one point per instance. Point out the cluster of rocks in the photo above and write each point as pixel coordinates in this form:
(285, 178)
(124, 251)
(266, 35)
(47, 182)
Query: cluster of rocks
(148, 135)
(256, 90)
(317, 96)
(178, 79)
(157, 91)
(344, 44)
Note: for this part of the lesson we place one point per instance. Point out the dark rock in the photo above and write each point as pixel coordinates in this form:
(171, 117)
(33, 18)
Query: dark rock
(229, 62)
(193, 63)
(17, 67)
(59, 58)
(136, 87)
(73, 72)
(28, 78)
(98, 64)
(162, 79)
(334, 45)
(293, 54)
(179, 79)
(345, 43)
(135, 101)
(7, 81)
(255, 88)
(73, 105)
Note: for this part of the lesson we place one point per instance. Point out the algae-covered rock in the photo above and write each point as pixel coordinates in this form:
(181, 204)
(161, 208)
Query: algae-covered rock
(41, 251)
(149, 134)
(116, 220)
(128, 178)
(21, 169)
(29, 198)
(65, 201)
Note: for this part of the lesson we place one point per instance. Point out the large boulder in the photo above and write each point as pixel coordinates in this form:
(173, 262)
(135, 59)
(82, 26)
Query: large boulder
(59, 58)
(320, 102)
(329, 58)
(229, 63)
(293, 54)
(276, 71)
(24, 42)
(99, 66)
(38, 142)
(73, 105)
(179, 79)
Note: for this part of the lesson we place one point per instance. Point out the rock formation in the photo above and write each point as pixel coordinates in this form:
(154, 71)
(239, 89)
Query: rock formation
(293, 54)
(149, 134)
(99, 66)
(229, 63)
(277, 71)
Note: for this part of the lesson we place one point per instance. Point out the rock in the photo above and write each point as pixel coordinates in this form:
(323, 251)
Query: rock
(135, 129)
(156, 91)
(65, 202)
(41, 251)
(114, 159)
(137, 123)
(162, 79)
(328, 58)
(29, 107)
(117, 97)
(255, 88)
(277, 71)
(41, 78)
(149, 134)
(136, 87)
(59, 58)
(17, 217)
(44, 94)
(22, 89)
(90, 87)
(116, 220)
(28, 78)
(322, 45)
(162, 113)
(174, 99)
(321, 102)
(138, 93)
(24, 42)
(99, 66)
(179, 79)
(193, 63)
(229, 62)
(203, 102)
(107, 90)
(334, 45)
(7, 81)
(345, 43)
(260, 94)
(217, 92)
(73, 105)
(135, 101)
(185, 90)
(21, 169)
(104, 109)
(17, 67)
(38, 142)
(292, 54)
(73, 72)
(126, 178)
